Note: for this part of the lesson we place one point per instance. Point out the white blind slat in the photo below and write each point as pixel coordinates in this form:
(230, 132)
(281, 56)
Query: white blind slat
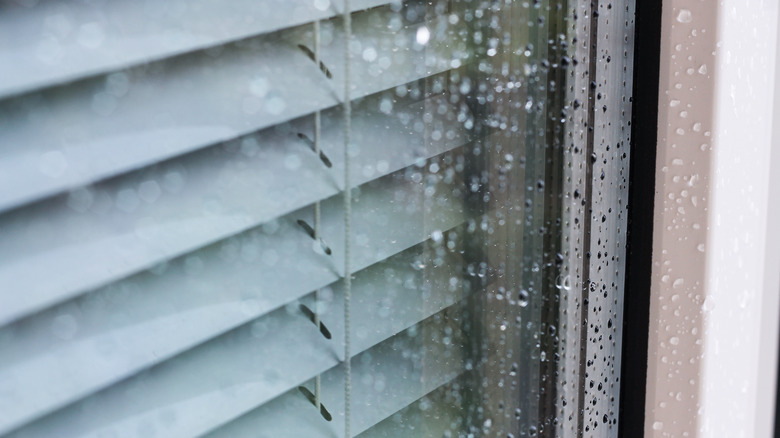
(249, 366)
(161, 295)
(199, 297)
(76, 135)
(435, 415)
(385, 379)
(55, 42)
(131, 223)
(386, 52)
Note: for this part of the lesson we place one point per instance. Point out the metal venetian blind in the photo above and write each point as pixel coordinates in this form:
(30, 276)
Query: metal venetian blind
(161, 187)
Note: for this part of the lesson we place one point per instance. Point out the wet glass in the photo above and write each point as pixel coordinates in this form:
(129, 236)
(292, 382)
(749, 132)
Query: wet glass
(309, 218)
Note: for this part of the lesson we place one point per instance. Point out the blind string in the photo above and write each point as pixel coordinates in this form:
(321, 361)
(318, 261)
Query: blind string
(347, 227)
(317, 209)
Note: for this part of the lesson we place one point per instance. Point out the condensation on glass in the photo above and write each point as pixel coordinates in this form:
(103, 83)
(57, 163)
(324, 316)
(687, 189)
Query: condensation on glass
(207, 206)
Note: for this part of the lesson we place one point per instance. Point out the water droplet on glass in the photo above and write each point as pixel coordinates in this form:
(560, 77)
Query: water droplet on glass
(322, 5)
(117, 84)
(52, 164)
(259, 86)
(465, 86)
(684, 16)
(275, 104)
(91, 35)
(149, 191)
(369, 54)
(80, 199)
(708, 305)
(386, 106)
(522, 298)
(423, 35)
(292, 162)
(127, 200)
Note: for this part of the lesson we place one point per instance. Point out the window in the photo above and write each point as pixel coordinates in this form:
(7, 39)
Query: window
(313, 218)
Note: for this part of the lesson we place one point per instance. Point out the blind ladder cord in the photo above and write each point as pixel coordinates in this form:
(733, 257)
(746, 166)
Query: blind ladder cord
(317, 210)
(347, 227)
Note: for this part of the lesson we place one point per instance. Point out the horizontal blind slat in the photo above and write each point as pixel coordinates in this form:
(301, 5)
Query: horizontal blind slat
(55, 251)
(160, 358)
(81, 133)
(55, 42)
(198, 297)
(435, 415)
(407, 367)
(230, 375)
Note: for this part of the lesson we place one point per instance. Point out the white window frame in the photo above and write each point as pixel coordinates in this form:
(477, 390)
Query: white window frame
(713, 335)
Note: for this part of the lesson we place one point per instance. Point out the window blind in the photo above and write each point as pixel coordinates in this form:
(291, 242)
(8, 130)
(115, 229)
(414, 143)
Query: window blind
(307, 217)
(158, 256)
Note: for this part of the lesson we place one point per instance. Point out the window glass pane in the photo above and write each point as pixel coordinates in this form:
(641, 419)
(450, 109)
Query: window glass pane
(311, 217)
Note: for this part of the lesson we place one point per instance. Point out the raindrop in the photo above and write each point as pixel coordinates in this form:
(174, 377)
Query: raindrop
(322, 5)
(423, 35)
(259, 86)
(465, 86)
(369, 54)
(127, 200)
(52, 164)
(117, 84)
(684, 16)
(149, 191)
(91, 35)
(292, 162)
(275, 104)
(418, 265)
(80, 199)
(386, 106)
(563, 282)
(709, 304)
(522, 298)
